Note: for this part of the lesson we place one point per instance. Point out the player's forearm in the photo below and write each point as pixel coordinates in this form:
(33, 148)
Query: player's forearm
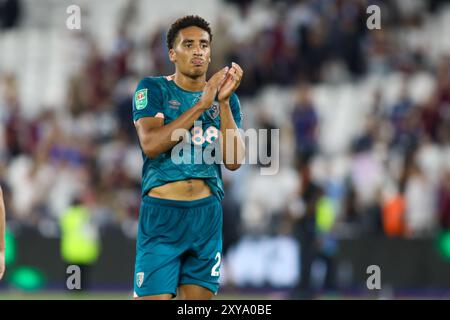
(232, 145)
(159, 140)
(2, 222)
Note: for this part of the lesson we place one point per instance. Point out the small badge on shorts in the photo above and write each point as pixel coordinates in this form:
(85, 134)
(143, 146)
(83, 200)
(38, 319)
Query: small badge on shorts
(139, 279)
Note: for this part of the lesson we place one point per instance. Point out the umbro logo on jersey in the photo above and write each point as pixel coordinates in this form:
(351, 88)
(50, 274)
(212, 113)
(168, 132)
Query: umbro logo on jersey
(174, 104)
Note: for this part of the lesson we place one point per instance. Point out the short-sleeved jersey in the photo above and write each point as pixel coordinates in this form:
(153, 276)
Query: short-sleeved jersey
(161, 97)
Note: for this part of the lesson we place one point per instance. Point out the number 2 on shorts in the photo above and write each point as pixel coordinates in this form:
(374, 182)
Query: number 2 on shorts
(214, 270)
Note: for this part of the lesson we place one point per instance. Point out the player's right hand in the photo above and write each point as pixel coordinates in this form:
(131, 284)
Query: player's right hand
(212, 87)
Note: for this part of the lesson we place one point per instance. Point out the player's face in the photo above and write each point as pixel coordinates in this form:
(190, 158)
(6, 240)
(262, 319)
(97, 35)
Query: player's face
(191, 52)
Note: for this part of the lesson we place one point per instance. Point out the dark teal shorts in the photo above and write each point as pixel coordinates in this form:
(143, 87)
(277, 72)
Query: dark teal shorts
(178, 242)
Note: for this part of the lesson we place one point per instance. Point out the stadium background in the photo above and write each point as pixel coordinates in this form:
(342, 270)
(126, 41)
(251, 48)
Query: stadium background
(364, 119)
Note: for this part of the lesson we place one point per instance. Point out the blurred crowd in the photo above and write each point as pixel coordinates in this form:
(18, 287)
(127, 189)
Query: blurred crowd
(399, 165)
(397, 180)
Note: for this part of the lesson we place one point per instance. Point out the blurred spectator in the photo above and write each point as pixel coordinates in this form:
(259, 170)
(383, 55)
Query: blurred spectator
(400, 111)
(430, 117)
(378, 52)
(305, 232)
(409, 130)
(80, 244)
(327, 242)
(305, 123)
(158, 52)
(394, 214)
(10, 11)
(366, 141)
(314, 220)
(420, 205)
(444, 201)
(351, 215)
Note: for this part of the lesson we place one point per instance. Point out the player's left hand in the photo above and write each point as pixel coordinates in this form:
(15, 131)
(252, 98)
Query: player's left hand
(231, 83)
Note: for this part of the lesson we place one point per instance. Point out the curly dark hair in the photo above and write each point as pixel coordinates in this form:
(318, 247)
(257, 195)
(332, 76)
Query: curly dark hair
(185, 22)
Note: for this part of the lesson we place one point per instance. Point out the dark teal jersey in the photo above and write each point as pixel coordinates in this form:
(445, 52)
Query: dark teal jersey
(161, 97)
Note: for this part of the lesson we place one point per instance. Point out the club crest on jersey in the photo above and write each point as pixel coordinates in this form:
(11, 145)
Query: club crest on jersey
(213, 111)
(139, 279)
(140, 99)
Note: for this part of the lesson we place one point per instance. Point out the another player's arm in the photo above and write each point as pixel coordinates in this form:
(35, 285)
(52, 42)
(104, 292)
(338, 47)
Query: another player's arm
(2, 235)
(227, 122)
(156, 138)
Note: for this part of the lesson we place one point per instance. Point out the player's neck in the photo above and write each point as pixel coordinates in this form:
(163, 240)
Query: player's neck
(189, 84)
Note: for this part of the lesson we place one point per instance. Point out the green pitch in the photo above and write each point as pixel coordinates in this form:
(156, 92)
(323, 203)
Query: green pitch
(46, 295)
